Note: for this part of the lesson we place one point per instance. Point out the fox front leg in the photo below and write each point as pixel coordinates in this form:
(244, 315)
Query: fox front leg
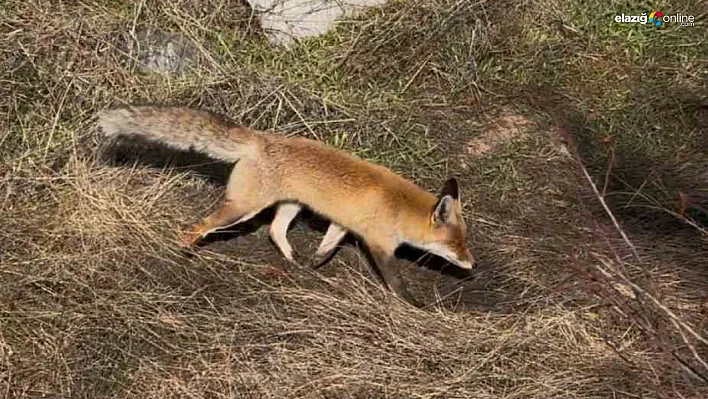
(391, 275)
(278, 232)
(333, 237)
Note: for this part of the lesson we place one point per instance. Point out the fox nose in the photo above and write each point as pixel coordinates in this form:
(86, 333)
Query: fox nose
(472, 260)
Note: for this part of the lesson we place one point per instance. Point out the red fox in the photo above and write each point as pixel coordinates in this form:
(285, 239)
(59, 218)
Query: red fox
(380, 207)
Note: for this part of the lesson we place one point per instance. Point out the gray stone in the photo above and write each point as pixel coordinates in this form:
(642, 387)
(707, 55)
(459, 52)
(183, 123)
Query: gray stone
(158, 51)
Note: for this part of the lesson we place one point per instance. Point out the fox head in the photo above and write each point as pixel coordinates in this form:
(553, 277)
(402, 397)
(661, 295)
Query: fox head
(448, 230)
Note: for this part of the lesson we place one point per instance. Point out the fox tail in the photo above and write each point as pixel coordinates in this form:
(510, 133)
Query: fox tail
(179, 128)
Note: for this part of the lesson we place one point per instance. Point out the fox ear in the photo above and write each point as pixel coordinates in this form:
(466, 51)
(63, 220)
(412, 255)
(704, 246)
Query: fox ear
(443, 211)
(450, 188)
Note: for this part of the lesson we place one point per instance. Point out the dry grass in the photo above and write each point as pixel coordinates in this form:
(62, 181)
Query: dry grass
(97, 301)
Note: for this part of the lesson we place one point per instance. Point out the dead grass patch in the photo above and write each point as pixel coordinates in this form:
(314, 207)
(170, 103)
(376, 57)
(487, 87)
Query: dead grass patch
(96, 300)
(506, 128)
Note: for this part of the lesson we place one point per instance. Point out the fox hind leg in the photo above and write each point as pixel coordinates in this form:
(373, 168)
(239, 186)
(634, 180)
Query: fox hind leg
(229, 213)
(244, 199)
(284, 215)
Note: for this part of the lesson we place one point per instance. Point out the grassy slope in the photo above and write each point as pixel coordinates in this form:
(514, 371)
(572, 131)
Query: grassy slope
(97, 301)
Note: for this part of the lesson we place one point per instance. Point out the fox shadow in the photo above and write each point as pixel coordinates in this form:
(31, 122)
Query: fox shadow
(143, 152)
(310, 220)
(471, 285)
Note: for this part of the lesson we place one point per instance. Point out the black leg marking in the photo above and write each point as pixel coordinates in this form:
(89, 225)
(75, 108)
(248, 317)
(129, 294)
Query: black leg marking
(391, 275)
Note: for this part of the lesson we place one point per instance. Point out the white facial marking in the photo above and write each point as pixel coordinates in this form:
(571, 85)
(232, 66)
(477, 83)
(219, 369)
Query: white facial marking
(444, 252)
(465, 265)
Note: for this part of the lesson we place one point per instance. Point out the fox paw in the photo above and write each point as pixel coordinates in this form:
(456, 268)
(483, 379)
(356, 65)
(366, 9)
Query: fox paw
(299, 259)
(317, 261)
(188, 238)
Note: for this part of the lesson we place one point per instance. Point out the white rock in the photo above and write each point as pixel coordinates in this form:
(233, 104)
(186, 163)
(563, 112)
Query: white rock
(286, 20)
